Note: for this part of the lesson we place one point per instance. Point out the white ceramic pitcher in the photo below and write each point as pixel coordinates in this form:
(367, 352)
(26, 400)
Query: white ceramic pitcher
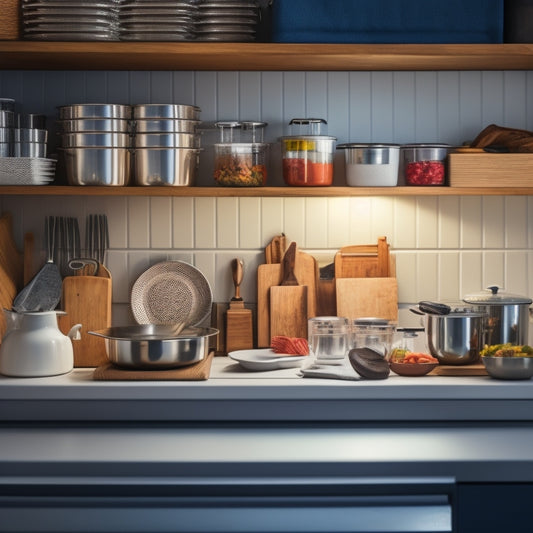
(35, 347)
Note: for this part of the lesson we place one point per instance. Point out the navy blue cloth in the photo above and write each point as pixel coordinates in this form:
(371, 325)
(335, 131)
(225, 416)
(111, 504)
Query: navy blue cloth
(388, 21)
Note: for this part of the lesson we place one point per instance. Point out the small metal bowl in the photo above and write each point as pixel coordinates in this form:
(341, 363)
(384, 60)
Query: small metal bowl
(155, 347)
(508, 367)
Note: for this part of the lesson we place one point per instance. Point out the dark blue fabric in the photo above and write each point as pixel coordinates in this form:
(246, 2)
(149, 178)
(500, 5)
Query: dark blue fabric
(388, 21)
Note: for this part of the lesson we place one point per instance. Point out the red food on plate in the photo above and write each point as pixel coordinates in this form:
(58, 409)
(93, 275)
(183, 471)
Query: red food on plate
(289, 345)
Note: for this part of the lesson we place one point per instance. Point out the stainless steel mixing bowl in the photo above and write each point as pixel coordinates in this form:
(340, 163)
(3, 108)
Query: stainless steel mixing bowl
(149, 346)
(509, 367)
(166, 166)
(97, 166)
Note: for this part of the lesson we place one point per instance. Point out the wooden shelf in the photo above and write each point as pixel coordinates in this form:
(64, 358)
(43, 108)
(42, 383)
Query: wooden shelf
(45, 55)
(279, 192)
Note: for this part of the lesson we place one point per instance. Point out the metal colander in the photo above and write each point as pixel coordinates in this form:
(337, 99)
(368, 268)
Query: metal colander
(171, 292)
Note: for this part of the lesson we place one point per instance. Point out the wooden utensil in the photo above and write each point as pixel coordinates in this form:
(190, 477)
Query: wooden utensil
(239, 323)
(288, 301)
(87, 301)
(10, 258)
(367, 297)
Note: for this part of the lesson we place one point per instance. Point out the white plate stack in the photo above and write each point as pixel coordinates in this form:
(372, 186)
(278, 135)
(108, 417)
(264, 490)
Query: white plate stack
(70, 20)
(227, 20)
(158, 20)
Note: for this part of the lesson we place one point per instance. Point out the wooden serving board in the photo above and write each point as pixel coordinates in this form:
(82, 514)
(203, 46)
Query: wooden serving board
(460, 370)
(87, 301)
(367, 297)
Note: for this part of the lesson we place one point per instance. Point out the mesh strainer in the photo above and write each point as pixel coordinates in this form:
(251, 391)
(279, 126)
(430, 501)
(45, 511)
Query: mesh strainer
(171, 292)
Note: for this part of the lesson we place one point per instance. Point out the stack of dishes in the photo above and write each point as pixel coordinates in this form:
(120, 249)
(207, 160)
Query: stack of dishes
(70, 20)
(96, 143)
(167, 144)
(227, 20)
(158, 20)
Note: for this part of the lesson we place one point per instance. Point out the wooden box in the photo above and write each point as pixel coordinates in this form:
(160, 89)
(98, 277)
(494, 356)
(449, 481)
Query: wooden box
(490, 170)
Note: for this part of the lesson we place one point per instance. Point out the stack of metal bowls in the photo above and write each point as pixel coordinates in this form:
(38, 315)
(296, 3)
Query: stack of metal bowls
(96, 143)
(167, 144)
(21, 135)
(223, 20)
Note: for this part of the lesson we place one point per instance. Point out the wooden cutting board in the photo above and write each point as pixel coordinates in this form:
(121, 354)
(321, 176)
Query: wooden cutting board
(363, 261)
(460, 370)
(367, 297)
(268, 275)
(87, 301)
(288, 301)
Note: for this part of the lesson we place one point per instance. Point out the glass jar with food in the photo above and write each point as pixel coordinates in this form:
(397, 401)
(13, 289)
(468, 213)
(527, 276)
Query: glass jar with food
(424, 164)
(241, 156)
(307, 158)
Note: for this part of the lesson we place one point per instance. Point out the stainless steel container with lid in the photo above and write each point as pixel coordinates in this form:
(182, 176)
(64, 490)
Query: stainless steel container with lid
(241, 156)
(424, 164)
(371, 165)
(307, 157)
(507, 315)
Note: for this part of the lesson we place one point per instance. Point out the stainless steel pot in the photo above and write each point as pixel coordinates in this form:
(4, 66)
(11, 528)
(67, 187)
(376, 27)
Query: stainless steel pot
(150, 346)
(79, 125)
(100, 140)
(94, 111)
(455, 338)
(158, 111)
(167, 140)
(166, 125)
(97, 166)
(166, 166)
(507, 315)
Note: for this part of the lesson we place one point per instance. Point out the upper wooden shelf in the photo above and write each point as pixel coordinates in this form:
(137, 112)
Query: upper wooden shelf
(29, 55)
(277, 192)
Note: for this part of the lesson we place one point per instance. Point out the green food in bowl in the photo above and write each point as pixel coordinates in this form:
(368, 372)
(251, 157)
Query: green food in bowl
(507, 350)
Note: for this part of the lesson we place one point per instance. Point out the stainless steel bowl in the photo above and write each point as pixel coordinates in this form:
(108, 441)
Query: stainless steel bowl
(80, 125)
(166, 166)
(158, 111)
(104, 140)
(456, 338)
(94, 111)
(509, 367)
(156, 347)
(167, 140)
(166, 125)
(97, 166)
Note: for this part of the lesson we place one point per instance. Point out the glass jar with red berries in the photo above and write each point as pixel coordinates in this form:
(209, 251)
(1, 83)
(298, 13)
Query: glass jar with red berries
(424, 164)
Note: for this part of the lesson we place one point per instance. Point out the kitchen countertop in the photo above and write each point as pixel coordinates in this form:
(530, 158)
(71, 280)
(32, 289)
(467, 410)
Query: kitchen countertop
(233, 394)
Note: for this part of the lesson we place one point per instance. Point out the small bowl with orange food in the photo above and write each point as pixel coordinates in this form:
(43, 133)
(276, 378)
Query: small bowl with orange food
(407, 363)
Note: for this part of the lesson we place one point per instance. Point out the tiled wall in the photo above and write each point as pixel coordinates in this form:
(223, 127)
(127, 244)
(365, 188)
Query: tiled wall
(445, 246)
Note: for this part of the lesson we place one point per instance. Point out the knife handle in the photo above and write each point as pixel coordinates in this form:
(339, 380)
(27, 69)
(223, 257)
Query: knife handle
(289, 261)
(237, 270)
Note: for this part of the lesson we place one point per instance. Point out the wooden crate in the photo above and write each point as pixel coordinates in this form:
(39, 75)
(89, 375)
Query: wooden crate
(490, 170)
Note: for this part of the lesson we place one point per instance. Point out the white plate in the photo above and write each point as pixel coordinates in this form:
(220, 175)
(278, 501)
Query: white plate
(266, 359)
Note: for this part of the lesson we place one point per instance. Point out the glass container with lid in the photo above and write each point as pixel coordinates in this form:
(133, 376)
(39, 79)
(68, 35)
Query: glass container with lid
(308, 156)
(424, 164)
(241, 154)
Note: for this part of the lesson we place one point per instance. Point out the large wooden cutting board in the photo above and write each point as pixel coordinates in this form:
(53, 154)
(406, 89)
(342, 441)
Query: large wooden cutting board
(87, 301)
(367, 297)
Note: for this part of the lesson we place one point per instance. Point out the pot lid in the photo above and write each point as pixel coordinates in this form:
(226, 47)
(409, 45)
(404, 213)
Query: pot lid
(494, 296)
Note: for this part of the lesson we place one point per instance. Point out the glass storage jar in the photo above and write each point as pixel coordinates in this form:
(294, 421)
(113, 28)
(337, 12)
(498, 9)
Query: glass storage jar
(424, 164)
(241, 156)
(308, 157)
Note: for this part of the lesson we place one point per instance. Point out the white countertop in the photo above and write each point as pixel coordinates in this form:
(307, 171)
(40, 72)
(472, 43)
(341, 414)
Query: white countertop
(235, 394)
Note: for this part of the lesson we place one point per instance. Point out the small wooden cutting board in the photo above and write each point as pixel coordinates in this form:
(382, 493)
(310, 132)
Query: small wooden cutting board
(367, 297)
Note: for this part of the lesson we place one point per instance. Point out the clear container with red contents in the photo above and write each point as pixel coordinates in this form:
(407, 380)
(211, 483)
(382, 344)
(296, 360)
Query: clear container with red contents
(308, 156)
(424, 164)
